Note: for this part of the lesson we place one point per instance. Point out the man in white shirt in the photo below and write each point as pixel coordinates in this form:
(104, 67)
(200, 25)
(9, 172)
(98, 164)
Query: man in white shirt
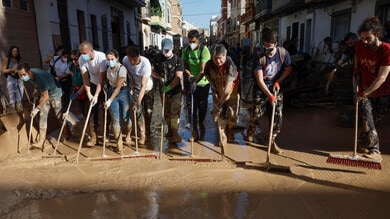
(93, 66)
(140, 71)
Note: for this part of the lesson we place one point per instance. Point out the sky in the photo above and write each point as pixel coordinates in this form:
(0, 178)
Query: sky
(199, 12)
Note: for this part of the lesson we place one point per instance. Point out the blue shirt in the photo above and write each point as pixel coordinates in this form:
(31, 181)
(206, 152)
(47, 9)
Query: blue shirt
(44, 81)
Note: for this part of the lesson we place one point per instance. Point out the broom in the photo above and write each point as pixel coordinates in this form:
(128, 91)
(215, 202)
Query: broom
(355, 160)
(192, 157)
(268, 166)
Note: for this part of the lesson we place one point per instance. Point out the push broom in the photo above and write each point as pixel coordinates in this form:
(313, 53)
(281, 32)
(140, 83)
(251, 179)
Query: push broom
(268, 166)
(355, 160)
(136, 154)
(192, 157)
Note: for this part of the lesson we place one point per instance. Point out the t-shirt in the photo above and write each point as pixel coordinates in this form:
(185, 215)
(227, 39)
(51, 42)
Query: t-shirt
(171, 66)
(143, 69)
(194, 61)
(59, 66)
(44, 81)
(219, 79)
(94, 66)
(114, 74)
(369, 62)
(274, 67)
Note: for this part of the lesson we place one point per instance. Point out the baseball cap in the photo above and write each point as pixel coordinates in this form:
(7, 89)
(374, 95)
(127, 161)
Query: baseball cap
(166, 44)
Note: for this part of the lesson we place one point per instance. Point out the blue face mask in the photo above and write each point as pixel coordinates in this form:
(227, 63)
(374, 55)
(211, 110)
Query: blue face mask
(85, 57)
(26, 78)
(111, 63)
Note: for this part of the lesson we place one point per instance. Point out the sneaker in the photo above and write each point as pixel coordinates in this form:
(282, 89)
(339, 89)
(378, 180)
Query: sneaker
(373, 154)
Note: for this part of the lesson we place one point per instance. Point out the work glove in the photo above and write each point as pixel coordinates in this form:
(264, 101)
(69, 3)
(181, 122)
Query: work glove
(107, 104)
(272, 99)
(36, 93)
(74, 96)
(166, 88)
(276, 86)
(34, 112)
(135, 107)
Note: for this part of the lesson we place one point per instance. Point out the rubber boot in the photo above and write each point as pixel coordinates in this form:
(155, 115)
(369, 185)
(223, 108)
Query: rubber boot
(41, 139)
(230, 135)
(275, 149)
(128, 137)
(142, 138)
(250, 133)
(118, 140)
(93, 138)
(175, 137)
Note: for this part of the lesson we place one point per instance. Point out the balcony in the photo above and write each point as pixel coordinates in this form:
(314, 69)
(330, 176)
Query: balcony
(286, 6)
(133, 3)
(158, 22)
(263, 7)
(248, 15)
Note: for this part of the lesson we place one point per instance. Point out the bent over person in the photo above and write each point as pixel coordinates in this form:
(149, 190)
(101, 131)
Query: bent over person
(50, 98)
(222, 74)
(270, 71)
(169, 69)
(372, 58)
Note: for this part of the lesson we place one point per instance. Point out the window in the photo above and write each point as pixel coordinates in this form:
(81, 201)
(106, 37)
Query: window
(340, 24)
(24, 5)
(7, 3)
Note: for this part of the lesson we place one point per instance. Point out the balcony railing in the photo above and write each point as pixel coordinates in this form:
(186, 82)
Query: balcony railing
(248, 15)
(263, 7)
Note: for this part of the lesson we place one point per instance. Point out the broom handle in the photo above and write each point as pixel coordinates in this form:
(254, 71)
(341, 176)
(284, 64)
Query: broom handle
(105, 125)
(271, 129)
(356, 123)
(162, 123)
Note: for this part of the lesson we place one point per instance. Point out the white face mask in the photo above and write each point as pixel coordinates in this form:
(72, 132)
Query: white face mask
(193, 45)
(168, 54)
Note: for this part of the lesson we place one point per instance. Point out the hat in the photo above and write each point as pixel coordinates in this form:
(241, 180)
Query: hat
(167, 44)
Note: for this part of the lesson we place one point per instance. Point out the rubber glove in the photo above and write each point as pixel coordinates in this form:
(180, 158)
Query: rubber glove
(277, 86)
(166, 88)
(193, 86)
(94, 100)
(107, 104)
(272, 99)
(74, 96)
(34, 112)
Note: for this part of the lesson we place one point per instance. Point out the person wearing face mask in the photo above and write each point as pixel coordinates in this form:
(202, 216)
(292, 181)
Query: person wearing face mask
(371, 70)
(140, 70)
(119, 99)
(63, 76)
(223, 76)
(93, 68)
(50, 97)
(269, 73)
(168, 69)
(194, 58)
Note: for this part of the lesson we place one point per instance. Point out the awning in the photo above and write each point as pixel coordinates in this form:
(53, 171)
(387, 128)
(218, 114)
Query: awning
(133, 3)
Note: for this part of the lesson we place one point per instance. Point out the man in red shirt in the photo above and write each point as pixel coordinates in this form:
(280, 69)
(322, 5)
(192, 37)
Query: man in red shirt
(372, 58)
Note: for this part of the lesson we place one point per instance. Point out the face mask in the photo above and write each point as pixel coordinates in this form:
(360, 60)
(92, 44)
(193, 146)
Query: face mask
(193, 45)
(111, 63)
(267, 51)
(85, 57)
(168, 54)
(26, 78)
(65, 60)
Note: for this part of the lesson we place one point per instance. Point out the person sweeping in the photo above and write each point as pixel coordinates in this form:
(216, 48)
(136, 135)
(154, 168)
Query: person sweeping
(269, 73)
